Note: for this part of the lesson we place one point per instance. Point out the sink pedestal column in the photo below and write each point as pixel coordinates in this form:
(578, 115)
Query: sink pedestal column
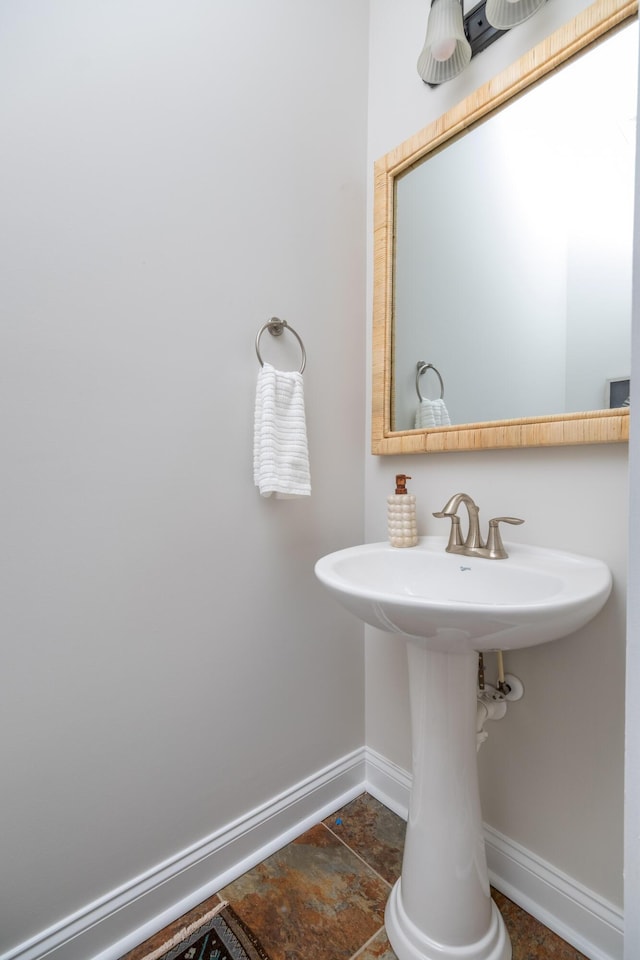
(441, 907)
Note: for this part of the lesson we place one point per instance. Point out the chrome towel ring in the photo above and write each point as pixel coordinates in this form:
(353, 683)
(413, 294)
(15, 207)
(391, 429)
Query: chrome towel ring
(422, 367)
(275, 326)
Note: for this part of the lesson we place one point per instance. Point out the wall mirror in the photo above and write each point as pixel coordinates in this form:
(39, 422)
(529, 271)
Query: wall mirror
(503, 254)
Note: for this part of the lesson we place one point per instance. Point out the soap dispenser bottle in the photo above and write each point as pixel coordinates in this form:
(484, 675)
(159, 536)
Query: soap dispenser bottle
(401, 515)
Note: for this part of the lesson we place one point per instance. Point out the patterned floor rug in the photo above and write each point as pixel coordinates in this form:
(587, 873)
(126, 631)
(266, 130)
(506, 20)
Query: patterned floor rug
(223, 937)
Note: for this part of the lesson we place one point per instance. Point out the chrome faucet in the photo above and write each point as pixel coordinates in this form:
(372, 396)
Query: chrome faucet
(473, 545)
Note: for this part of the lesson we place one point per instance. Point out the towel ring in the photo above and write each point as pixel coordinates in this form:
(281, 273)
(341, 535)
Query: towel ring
(275, 327)
(422, 367)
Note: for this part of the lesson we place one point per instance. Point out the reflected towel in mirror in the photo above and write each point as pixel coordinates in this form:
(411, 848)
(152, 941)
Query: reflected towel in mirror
(431, 413)
(280, 449)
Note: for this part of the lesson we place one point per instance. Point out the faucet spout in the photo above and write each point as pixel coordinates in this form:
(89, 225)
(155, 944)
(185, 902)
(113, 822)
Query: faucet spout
(473, 541)
(451, 506)
(473, 545)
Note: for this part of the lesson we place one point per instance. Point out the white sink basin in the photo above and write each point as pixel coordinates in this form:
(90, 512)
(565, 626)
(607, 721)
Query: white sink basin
(448, 607)
(457, 603)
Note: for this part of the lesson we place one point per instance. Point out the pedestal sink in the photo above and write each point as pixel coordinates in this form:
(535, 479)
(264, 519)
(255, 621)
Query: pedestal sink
(448, 607)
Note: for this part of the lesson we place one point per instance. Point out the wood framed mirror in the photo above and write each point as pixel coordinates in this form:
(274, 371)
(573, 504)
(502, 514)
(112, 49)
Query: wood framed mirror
(389, 434)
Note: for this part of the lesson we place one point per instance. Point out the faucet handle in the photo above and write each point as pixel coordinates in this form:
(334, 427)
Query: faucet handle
(455, 537)
(495, 546)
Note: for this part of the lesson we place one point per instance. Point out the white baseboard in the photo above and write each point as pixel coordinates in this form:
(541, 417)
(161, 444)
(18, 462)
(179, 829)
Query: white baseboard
(388, 783)
(108, 928)
(581, 917)
(113, 925)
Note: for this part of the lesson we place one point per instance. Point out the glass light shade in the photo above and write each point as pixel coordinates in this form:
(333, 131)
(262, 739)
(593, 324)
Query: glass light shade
(446, 50)
(504, 14)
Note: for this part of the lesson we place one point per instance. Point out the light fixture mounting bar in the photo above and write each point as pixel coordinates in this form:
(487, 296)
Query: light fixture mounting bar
(479, 31)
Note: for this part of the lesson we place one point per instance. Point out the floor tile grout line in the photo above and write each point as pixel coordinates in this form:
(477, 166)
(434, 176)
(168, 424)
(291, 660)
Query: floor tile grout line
(356, 854)
(364, 946)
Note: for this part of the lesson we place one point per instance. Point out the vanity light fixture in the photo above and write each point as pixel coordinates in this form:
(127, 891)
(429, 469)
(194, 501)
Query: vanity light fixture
(454, 37)
(505, 14)
(446, 50)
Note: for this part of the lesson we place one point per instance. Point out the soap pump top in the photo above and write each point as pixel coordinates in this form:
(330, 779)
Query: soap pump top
(401, 483)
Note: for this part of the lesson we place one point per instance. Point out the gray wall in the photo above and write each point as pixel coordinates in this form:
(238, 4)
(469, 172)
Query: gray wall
(172, 174)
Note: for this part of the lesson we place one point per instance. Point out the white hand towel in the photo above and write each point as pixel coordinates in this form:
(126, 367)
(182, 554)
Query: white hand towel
(425, 416)
(431, 413)
(280, 450)
(441, 413)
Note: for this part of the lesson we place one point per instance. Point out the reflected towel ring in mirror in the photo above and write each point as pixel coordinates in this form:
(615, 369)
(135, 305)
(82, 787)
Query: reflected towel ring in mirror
(422, 367)
(275, 326)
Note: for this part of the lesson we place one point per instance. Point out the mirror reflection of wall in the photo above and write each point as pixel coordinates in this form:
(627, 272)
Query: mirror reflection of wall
(513, 252)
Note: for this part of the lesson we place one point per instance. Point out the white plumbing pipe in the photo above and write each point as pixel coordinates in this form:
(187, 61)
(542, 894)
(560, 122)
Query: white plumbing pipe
(491, 705)
(482, 715)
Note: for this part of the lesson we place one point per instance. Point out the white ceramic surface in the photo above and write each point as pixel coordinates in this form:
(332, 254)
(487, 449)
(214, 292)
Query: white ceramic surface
(448, 607)
(457, 603)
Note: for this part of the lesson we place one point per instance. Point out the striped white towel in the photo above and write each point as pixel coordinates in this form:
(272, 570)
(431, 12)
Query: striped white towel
(432, 413)
(280, 450)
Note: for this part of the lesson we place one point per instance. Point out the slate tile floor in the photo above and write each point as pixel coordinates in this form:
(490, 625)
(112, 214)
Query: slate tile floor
(322, 897)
